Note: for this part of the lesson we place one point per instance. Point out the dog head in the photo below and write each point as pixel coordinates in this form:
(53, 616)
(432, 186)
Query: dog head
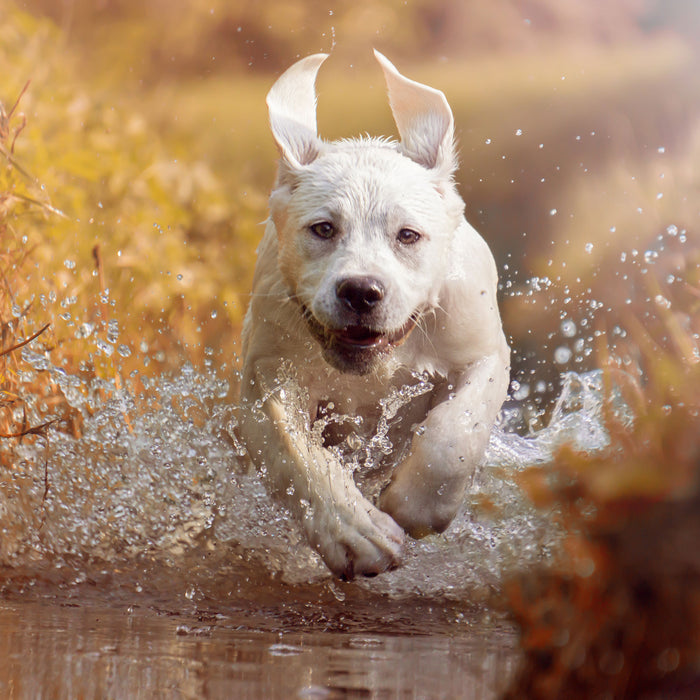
(363, 225)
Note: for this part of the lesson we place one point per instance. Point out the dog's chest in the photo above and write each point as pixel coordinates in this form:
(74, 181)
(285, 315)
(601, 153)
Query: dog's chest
(362, 414)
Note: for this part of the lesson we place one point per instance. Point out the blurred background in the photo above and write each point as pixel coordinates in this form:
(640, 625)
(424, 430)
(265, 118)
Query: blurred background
(145, 124)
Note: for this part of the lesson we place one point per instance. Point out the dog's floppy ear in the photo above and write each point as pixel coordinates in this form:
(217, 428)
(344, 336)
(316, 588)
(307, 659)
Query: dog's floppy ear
(292, 105)
(424, 120)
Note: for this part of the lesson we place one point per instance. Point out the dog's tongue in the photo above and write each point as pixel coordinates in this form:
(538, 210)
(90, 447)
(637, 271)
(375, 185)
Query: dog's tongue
(359, 335)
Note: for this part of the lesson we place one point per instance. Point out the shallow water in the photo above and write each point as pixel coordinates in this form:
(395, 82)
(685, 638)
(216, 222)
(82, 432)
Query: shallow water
(145, 558)
(66, 650)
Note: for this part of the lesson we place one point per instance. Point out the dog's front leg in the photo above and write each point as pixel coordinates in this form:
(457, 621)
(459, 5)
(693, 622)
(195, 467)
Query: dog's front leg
(352, 536)
(427, 488)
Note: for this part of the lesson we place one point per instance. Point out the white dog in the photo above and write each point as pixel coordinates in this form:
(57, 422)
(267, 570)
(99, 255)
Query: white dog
(370, 290)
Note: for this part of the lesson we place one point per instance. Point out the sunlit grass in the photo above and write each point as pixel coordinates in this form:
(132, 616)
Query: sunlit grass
(90, 177)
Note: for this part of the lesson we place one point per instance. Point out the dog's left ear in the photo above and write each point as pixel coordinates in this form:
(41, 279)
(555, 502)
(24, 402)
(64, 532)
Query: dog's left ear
(292, 105)
(424, 120)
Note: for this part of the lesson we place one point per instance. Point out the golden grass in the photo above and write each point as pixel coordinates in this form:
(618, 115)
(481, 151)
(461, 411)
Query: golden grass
(620, 612)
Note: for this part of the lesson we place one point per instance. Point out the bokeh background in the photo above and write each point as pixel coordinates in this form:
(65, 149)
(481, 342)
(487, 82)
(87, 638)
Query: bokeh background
(144, 123)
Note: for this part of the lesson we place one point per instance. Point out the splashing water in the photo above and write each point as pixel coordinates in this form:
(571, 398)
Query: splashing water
(159, 479)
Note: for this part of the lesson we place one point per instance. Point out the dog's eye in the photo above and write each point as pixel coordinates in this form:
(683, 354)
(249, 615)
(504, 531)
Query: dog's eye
(408, 236)
(323, 229)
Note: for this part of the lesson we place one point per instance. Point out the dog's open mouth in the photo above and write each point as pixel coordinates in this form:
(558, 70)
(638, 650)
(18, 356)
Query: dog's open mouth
(352, 348)
(362, 337)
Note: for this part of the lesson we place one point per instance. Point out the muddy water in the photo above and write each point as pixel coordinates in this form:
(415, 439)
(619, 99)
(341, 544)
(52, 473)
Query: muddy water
(144, 559)
(92, 648)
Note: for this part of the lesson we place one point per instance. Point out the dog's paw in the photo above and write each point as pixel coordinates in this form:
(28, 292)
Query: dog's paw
(417, 511)
(355, 539)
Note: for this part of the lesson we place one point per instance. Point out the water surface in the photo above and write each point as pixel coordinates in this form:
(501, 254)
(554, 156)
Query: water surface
(96, 645)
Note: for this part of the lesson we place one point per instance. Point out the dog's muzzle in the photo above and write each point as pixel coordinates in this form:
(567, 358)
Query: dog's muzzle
(356, 348)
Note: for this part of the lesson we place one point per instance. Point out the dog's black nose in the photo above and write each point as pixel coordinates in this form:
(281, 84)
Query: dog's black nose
(360, 294)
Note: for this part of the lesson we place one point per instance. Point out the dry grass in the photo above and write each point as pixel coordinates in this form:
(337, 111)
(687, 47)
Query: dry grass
(620, 614)
(13, 259)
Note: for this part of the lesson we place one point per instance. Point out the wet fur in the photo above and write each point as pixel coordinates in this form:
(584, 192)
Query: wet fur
(430, 312)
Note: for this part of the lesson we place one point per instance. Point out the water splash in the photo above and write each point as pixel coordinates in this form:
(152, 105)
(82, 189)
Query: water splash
(160, 476)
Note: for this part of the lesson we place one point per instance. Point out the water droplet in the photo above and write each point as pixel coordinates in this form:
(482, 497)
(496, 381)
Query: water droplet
(70, 264)
(113, 331)
(552, 212)
(562, 355)
(124, 350)
(522, 392)
(85, 330)
(104, 347)
(568, 328)
(585, 567)
(668, 660)
(588, 248)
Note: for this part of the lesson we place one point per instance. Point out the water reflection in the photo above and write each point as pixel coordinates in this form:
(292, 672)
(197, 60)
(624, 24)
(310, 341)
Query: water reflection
(58, 649)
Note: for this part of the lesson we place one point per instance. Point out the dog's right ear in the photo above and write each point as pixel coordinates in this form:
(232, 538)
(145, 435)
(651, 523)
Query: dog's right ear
(292, 105)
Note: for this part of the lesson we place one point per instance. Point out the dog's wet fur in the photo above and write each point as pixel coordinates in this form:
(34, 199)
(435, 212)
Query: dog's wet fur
(368, 279)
